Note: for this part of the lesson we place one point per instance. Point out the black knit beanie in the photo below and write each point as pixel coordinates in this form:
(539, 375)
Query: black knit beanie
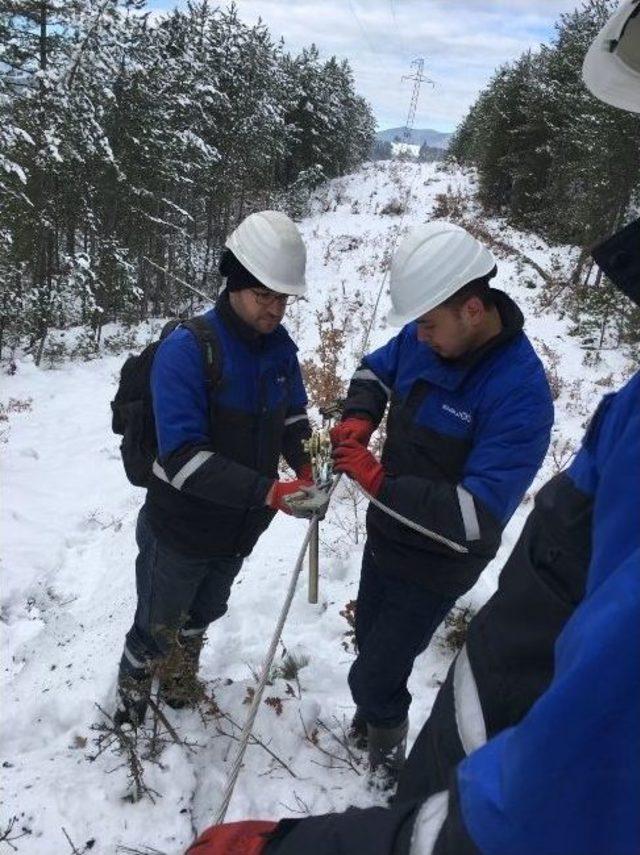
(237, 276)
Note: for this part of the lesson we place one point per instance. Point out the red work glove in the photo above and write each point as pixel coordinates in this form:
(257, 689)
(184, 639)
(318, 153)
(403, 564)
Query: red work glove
(280, 489)
(233, 838)
(354, 427)
(305, 473)
(358, 463)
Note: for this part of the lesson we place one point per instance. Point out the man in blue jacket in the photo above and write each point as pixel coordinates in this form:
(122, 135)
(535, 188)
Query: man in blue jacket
(469, 421)
(215, 485)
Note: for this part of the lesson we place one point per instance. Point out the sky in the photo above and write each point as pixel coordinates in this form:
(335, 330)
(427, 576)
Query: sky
(462, 42)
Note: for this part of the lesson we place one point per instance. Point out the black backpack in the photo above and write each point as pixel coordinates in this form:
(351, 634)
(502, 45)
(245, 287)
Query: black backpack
(132, 408)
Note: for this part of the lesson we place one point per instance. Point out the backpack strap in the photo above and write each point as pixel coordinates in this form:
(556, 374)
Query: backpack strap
(210, 346)
(169, 327)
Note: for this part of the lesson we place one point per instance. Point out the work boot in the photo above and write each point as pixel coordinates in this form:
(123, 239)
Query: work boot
(357, 732)
(132, 699)
(179, 683)
(387, 753)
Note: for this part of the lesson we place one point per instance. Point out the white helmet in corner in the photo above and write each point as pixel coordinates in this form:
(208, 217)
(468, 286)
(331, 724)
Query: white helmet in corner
(432, 263)
(611, 69)
(269, 245)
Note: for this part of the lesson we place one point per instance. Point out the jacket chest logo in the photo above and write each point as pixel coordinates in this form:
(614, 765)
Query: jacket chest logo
(462, 415)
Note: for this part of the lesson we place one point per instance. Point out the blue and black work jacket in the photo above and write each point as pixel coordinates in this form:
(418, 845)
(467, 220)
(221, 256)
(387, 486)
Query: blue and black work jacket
(465, 439)
(218, 448)
(564, 779)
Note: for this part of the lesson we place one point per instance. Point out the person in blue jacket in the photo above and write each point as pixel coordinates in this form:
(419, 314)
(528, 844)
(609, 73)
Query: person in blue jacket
(563, 777)
(215, 486)
(469, 420)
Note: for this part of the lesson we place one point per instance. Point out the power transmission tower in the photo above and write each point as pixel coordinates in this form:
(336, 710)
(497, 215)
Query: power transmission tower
(418, 79)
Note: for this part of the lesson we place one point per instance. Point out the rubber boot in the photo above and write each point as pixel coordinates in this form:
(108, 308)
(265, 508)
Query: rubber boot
(179, 683)
(387, 754)
(132, 694)
(357, 732)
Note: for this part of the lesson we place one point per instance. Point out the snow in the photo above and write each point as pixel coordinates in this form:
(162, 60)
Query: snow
(68, 519)
(398, 148)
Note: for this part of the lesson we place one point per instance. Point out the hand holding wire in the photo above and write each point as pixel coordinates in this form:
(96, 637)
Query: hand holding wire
(358, 463)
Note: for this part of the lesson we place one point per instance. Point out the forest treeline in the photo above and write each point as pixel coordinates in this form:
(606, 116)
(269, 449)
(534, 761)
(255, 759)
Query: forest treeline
(554, 160)
(130, 142)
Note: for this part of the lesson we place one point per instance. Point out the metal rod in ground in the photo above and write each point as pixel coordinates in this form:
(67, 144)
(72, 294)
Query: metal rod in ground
(314, 559)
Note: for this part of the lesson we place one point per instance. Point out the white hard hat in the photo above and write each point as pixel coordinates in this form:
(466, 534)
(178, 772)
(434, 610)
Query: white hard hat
(611, 69)
(269, 245)
(432, 263)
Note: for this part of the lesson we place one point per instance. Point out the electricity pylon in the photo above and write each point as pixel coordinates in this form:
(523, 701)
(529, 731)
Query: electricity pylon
(418, 79)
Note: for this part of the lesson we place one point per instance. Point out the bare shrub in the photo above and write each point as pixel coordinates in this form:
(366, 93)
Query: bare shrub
(451, 205)
(290, 667)
(346, 518)
(14, 830)
(605, 382)
(15, 405)
(321, 372)
(592, 358)
(349, 636)
(393, 208)
(341, 243)
(551, 361)
(561, 451)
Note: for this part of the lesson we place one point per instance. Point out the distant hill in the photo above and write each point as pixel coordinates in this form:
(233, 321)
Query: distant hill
(435, 139)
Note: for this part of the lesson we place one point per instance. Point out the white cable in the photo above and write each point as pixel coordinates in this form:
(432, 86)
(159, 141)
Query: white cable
(432, 535)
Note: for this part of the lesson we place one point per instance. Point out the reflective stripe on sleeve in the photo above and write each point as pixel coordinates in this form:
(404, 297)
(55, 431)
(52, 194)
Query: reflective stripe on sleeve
(185, 472)
(469, 515)
(292, 419)
(189, 468)
(159, 472)
(428, 824)
(466, 701)
(368, 374)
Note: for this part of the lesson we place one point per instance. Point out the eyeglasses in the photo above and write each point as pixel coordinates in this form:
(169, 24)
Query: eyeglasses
(268, 298)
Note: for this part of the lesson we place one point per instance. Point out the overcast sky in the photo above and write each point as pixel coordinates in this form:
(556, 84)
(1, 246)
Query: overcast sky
(462, 41)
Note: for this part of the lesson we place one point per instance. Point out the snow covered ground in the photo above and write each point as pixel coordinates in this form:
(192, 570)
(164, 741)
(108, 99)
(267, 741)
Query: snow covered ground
(68, 517)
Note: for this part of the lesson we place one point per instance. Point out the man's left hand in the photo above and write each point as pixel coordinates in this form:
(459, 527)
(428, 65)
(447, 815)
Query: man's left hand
(233, 838)
(358, 463)
(307, 502)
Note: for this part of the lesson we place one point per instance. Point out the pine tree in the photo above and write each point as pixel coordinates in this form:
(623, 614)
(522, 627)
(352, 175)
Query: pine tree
(130, 149)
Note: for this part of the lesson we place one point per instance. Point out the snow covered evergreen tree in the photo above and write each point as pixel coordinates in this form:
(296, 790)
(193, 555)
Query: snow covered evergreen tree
(129, 149)
(550, 156)
(553, 159)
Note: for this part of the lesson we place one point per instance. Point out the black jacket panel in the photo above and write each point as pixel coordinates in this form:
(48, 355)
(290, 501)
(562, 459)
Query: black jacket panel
(511, 641)
(374, 831)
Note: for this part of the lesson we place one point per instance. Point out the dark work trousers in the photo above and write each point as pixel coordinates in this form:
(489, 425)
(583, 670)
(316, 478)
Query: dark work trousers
(175, 594)
(395, 621)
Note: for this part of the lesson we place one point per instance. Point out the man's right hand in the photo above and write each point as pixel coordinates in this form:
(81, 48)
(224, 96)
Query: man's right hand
(281, 489)
(354, 427)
